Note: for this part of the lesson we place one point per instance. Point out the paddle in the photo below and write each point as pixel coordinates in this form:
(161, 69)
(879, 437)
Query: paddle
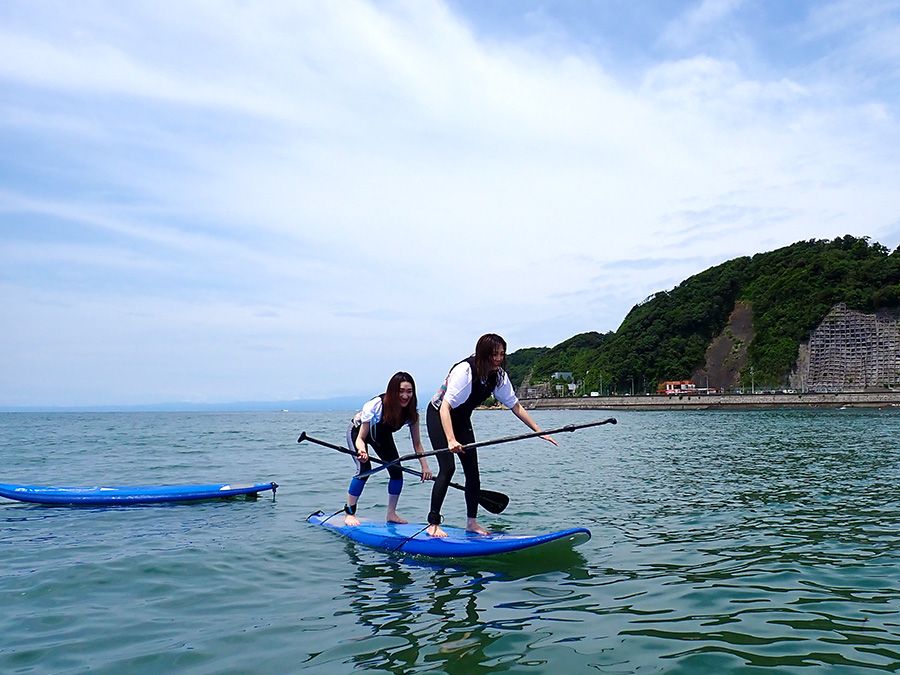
(496, 441)
(495, 502)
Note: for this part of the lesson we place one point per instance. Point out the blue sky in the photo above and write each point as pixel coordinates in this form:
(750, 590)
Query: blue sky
(219, 201)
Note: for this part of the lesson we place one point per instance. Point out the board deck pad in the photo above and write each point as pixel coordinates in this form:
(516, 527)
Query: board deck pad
(458, 543)
(128, 494)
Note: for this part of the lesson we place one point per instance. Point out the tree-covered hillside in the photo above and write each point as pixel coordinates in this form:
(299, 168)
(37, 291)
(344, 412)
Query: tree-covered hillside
(790, 290)
(521, 362)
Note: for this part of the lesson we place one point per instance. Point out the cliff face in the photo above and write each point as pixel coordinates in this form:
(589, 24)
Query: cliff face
(726, 355)
(850, 351)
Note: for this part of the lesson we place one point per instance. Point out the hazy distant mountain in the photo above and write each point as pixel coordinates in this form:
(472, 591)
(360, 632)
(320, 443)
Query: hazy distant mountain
(348, 403)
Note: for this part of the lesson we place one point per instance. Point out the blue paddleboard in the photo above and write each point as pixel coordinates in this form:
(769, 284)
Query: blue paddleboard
(458, 543)
(128, 494)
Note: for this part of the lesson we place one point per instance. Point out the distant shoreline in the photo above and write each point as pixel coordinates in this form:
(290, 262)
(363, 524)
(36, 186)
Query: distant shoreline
(720, 401)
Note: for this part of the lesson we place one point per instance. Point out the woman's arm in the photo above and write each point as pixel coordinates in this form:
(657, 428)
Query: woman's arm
(447, 424)
(419, 450)
(361, 451)
(523, 415)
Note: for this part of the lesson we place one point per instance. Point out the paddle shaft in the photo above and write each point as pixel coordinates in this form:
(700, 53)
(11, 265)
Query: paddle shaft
(496, 441)
(347, 451)
(495, 502)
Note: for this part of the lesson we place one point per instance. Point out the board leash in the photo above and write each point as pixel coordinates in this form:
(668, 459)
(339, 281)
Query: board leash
(320, 512)
(413, 536)
(341, 510)
(393, 550)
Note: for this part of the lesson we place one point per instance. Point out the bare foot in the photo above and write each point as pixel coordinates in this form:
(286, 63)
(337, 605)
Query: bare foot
(396, 518)
(436, 531)
(351, 521)
(473, 526)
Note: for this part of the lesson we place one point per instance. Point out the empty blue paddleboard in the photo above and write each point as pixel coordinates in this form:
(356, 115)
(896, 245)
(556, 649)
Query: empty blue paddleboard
(128, 494)
(458, 543)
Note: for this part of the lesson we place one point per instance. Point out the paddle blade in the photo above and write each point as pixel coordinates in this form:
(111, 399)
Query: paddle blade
(495, 502)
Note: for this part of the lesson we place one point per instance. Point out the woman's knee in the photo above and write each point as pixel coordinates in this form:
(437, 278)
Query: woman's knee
(357, 485)
(446, 466)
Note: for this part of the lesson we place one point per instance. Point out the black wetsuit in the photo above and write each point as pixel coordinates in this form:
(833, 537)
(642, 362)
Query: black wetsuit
(380, 439)
(461, 416)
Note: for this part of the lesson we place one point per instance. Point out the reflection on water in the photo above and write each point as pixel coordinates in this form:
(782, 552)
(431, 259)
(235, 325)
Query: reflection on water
(415, 611)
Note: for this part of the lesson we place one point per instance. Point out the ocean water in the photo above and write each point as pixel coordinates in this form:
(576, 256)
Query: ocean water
(723, 542)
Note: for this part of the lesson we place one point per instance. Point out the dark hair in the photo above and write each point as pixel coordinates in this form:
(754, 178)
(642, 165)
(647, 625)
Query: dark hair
(394, 414)
(484, 354)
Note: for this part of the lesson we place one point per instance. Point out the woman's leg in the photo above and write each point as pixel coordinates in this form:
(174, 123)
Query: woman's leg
(356, 484)
(446, 467)
(387, 451)
(469, 460)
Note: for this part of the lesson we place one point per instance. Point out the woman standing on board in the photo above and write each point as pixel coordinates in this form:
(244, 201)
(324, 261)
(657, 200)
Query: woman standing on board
(449, 420)
(374, 426)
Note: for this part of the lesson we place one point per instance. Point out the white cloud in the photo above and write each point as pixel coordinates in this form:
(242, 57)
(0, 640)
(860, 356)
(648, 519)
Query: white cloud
(700, 19)
(316, 194)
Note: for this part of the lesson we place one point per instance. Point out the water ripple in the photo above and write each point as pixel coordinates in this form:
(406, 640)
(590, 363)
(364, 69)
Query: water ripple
(722, 542)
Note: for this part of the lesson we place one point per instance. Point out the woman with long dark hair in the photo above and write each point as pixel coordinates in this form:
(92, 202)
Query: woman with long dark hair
(374, 427)
(449, 420)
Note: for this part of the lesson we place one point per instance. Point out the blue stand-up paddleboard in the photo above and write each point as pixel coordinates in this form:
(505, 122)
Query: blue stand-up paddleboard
(128, 494)
(458, 543)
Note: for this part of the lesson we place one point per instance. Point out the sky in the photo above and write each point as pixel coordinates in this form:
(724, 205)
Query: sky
(215, 200)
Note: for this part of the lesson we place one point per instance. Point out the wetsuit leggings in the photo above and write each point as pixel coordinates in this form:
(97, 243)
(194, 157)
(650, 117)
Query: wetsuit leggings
(386, 450)
(462, 429)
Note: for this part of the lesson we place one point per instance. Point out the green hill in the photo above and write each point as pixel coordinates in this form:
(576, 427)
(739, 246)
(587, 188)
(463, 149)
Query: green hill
(787, 291)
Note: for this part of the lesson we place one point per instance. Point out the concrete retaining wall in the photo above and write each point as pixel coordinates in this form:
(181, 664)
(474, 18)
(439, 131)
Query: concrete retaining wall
(721, 402)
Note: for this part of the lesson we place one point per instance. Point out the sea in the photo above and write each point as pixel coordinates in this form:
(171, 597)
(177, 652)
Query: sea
(723, 542)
